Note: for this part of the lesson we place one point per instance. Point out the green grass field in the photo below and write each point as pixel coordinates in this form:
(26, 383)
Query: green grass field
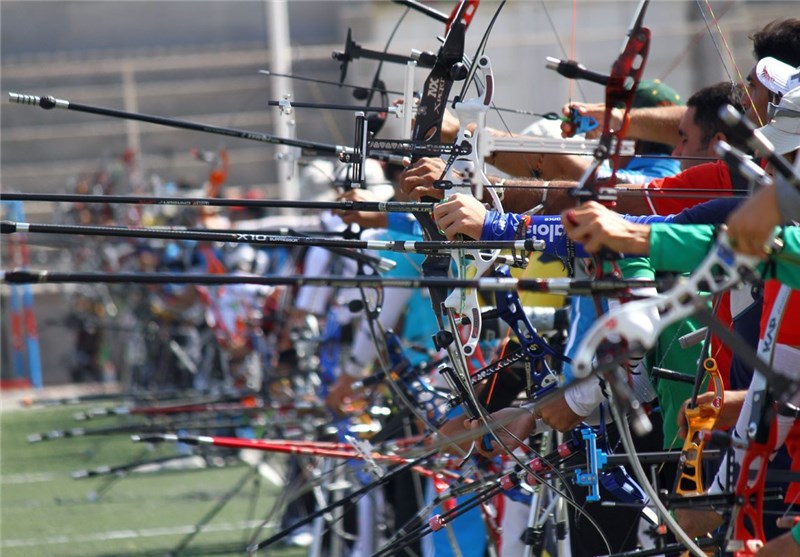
(44, 511)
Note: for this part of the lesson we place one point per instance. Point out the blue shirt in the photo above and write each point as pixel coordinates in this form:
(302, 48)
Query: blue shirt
(643, 170)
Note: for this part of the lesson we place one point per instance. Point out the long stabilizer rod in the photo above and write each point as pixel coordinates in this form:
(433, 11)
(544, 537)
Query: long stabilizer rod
(50, 102)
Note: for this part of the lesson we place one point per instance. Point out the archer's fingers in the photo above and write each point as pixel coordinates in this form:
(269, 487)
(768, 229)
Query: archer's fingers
(588, 234)
(748, 244)
(424, 166)
(449, 225)
(418, 190)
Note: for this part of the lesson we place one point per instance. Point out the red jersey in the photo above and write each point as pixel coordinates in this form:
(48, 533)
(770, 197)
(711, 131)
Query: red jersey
(712, 175)
(662, 201)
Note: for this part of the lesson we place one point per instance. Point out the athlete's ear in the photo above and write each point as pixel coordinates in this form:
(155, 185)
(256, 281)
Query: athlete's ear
(716, 138)
(719, 136)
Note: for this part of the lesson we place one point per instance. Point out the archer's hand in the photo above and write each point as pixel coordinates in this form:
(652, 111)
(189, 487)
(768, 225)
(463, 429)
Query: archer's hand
(728, 415)
(454, 428)
(514, 434)
(696, 522)
(450, 127)
(340, 394)
(365, 219)
(782, 546)
(558, 415)
(596, 111)
(460, 214)
(750, 226)
(417, 180)
(597, 227)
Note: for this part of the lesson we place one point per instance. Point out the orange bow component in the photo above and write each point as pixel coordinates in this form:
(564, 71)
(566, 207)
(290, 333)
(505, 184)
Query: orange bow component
(703, 417)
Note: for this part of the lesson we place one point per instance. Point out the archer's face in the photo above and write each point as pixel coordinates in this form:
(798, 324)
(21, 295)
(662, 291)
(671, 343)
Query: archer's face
(691, 141)
(755, 99)
(790, 157)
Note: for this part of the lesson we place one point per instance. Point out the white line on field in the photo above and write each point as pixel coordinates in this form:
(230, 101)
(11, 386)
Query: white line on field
(128, 534)
(30, 478)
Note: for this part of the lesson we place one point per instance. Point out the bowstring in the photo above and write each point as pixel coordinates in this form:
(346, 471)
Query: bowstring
(375, 79)
(698, 35)
(578, 83)
(713, 38)
(572, 44)
(742, 82)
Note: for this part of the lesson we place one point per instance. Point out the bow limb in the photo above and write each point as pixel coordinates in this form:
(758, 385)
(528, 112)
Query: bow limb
(748, 512)
(626, 74)
(470, 169)
(746, 532)
(462, 13)
(427, 128)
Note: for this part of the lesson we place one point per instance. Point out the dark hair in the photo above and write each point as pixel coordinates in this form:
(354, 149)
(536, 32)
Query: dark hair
(653, 148)
(779, 39)
(707, 102)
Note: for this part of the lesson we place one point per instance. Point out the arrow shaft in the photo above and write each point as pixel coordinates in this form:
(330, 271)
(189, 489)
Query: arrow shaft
(369, 206)
(552, 286)
(265, 239)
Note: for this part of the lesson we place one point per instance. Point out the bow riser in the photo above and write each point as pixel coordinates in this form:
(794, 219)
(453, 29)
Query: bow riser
(749, 534)
(464, 303)
(689, 480)
(625, 76)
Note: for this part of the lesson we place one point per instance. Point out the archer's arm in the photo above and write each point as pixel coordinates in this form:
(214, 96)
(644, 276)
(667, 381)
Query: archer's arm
(657, 124)
(520, 195)
(785, 545)
(548, 166)
(557, 197)
(672, 247)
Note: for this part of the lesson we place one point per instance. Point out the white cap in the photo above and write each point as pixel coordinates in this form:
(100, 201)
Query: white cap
(779, 77)
(783, 131)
